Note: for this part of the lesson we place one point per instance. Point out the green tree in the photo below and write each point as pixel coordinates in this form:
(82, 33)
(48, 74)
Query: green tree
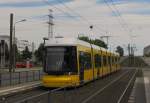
(84, 38)
(120, 50)
(18, 53)
(26, 54)
(97, 42)
(39, 53)
(100, 43)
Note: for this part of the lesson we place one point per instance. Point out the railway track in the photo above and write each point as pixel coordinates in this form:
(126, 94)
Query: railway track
(13, 98)
(112, 89)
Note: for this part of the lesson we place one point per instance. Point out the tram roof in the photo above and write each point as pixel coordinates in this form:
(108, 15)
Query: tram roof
(72, 42)
(65, 42)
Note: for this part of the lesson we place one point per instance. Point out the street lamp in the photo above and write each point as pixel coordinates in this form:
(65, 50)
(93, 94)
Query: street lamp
(14, 40)
(45, 38)
(91, 28)
(23, 20)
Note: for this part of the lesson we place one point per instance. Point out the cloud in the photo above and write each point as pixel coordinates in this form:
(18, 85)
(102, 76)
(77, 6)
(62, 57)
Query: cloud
(98, 14)
(30, 3)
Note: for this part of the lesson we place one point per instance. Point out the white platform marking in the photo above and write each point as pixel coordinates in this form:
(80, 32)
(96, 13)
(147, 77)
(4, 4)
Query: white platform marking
(147, 89)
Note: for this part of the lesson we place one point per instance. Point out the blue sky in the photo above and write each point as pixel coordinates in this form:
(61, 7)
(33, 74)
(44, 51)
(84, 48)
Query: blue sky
(136, 13)
(40, 3)
(55, 2)
(31, 3)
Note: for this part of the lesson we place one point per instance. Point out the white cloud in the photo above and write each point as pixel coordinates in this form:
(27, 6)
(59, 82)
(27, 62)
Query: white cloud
(100, 15)
(17, 1)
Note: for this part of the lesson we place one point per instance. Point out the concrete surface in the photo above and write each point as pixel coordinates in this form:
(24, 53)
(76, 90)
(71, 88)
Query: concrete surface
(19, 88)
(140, 90)
(20, 69)
(147, 60)
(146, 74)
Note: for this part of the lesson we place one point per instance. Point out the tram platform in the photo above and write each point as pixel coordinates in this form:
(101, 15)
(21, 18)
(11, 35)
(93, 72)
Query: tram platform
(19, 88)
(142, 88)
(146, 74)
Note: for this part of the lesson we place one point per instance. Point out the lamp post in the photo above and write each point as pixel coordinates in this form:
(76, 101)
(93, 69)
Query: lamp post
(14, 41)
(45, 38)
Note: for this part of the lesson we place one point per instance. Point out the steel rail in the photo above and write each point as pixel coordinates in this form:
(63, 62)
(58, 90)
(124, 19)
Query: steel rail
(102, 89)
(35, 96)
(127, 86)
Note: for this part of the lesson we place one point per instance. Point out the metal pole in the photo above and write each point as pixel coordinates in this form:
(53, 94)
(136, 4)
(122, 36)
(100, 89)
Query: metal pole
(1, 54)
(14, 49)
(33, 52)
(91, 28)
(4, 55)
(50, 24)
(10, 52)
(107, 42)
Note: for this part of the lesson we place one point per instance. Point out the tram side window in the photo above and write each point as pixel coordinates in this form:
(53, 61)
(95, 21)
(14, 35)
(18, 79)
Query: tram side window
(112, 60)
(104, 60)
(118, 59)
(109, 60)
(97, 61)
(115, 60)
(85, 60)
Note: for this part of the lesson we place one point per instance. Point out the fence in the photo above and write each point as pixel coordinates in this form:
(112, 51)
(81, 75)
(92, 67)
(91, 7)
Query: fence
(50, 96)
(9, 79)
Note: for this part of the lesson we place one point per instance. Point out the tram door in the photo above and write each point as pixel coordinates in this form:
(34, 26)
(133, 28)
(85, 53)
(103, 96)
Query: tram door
(82, 74)
(110, 67)
(81, 66)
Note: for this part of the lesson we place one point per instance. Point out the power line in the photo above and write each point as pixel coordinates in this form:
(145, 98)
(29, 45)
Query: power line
(107, 38)
(120, 19)
(67, 14)
(83, 18)
(50, 24)
(107, 4)
(61, 1)
(119, 14)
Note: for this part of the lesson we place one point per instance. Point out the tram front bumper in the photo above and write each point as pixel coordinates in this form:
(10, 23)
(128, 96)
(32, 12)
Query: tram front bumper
(60, 81)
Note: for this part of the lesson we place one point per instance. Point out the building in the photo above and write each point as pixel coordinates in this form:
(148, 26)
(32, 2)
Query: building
(146, 51)
(4, 50)
(5, 38)
(5, 47)
(22, 44)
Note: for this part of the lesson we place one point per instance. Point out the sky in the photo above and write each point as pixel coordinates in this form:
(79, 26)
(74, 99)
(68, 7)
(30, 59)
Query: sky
(125, 21)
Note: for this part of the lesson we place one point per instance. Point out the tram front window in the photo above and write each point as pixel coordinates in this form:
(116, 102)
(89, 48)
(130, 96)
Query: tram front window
(60, 60)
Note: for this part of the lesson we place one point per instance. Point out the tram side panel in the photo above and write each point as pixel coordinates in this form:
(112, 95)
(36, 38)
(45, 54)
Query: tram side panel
(113, 64)
(104, 63)
(96, 63)
(85, 63)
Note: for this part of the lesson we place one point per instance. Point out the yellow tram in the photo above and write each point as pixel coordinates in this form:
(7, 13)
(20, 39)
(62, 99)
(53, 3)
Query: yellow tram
(70, 62)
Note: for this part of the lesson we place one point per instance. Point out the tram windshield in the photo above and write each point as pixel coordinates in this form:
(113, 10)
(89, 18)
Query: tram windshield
(60, 60)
